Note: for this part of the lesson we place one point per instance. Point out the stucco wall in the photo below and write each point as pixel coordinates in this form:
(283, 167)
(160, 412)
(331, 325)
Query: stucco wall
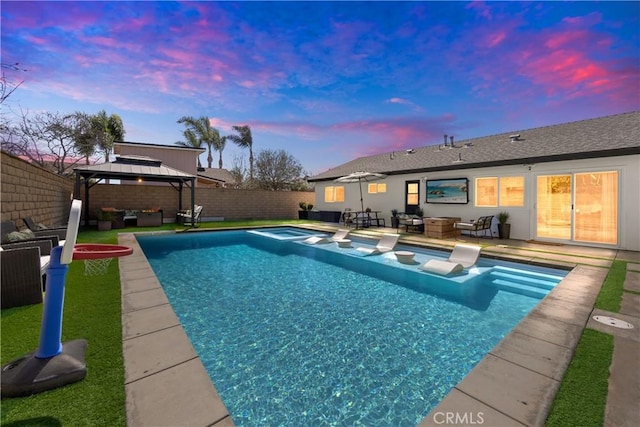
(183, 159)
(523, 219)
(30, 191)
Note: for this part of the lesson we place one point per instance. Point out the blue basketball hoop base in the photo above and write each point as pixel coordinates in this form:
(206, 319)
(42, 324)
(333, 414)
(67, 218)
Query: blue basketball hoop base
(30, 374)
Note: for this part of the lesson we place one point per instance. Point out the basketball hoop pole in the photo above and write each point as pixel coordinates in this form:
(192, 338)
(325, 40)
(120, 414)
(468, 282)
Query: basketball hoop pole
(51, 328)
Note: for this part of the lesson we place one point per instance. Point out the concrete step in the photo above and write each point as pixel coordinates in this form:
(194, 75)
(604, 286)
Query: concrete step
(525, 279)
(520, 289)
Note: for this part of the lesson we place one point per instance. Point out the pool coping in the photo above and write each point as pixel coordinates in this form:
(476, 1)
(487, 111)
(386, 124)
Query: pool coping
(514, 384)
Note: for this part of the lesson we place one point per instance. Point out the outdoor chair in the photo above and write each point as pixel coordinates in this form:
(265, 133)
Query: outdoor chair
(347, 217)
(31, 225)
(414, 222)
(10, 233)
(45, 244)
(20, 277)
(186, 216)
(362, 220)
(482, 224)
(462, 257)
(386, 244)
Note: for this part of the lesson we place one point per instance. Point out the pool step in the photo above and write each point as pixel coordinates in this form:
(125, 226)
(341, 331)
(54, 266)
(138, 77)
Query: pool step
(544, 276)
(524, 279)
(528, 283)
(519, 288)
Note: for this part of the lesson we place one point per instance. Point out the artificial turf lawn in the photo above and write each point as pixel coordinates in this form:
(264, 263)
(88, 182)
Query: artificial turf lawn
(91, 311)
(610, 295)
(582, 396)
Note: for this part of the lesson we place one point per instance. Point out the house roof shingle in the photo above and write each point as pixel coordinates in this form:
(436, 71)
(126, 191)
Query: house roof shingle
(592, 138)
(217, 174)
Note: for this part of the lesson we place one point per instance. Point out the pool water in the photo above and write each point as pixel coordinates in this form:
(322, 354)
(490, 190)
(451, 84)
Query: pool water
(291, 334)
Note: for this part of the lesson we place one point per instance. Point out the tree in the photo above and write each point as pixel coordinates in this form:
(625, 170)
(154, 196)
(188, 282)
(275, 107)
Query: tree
(219, 147)
(191, 141)
(107, 130)
(277, 170)
(7, 87)
(244, 140)
(203, 131)
(84, 138)
(238, 171)
(47, 139)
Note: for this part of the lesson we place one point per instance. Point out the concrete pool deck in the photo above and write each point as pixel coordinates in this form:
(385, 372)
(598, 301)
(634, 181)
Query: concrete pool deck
(167, 385)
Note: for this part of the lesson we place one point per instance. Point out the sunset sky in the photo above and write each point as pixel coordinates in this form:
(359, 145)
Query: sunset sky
(325, 81)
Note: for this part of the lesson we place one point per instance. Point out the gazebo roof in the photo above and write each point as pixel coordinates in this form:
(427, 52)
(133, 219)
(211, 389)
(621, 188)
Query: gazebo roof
(132, 167)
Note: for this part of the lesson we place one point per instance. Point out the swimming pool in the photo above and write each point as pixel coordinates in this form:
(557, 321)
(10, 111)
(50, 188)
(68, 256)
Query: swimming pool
(298, 335)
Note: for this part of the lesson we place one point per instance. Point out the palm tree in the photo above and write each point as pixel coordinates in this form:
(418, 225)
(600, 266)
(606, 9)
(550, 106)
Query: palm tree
(202, 129)
(219, 147)
(107, 130)
(192, 141)
(244, 140)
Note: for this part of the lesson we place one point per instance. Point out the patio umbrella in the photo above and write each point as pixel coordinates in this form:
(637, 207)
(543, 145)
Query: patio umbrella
(359, 177)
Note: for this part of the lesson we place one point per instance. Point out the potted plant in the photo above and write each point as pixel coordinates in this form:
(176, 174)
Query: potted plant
(303, 213)
(105, 219)
(419, 212)
(395, 219)
(504, 229)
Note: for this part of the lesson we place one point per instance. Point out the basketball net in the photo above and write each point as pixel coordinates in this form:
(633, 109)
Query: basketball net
(96, 267)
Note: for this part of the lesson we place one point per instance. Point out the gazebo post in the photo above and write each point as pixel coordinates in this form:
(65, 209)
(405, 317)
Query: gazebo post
(193, 202)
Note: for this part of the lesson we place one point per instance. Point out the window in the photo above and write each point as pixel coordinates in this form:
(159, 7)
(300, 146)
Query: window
(377, 188)
(512, 191)
(506, 191)
(334, 194)
(413, 193)
(487, 192)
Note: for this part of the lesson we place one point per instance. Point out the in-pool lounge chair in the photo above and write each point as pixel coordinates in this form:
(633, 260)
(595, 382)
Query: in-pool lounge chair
(386, 244)
(339, 235)
(463, 256)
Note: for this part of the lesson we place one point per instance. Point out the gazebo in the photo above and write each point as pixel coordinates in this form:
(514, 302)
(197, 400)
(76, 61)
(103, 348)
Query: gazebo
(133, 168)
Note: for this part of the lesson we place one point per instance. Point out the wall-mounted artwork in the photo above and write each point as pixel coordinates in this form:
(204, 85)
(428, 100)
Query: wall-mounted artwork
(448, 190)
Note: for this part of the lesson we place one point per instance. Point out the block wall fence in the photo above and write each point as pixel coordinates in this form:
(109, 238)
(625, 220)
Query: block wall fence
(28, 190)
(231, 204)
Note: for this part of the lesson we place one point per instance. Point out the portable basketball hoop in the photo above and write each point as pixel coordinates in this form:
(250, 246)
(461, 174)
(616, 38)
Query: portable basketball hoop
(55, 364)
(97, 257)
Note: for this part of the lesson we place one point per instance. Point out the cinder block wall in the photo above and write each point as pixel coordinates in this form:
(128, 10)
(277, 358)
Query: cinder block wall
(231, 204)
(28, 190)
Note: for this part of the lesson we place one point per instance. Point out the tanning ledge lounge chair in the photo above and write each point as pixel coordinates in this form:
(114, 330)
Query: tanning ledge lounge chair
(339, 235)
(386, 244)
(463, 256)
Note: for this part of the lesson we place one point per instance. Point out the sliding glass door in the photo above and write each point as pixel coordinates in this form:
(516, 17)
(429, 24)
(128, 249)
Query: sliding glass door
(596, 207)
(581, 207)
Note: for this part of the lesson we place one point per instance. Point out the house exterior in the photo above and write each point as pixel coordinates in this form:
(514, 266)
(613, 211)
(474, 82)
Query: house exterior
(181, 158)
(573, 183)
(216, 177)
